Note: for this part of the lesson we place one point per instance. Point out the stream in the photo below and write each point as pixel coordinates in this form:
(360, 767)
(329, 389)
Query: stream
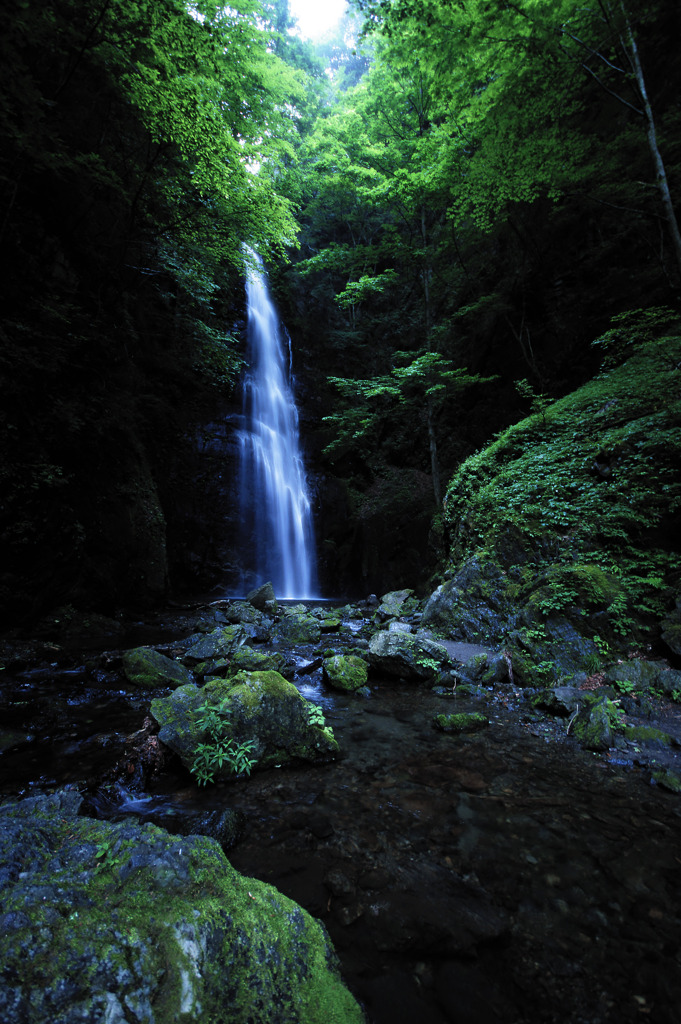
(501, 876)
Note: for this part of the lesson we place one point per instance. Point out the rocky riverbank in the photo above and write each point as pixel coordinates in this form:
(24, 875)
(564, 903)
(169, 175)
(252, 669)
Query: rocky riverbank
(473, 852)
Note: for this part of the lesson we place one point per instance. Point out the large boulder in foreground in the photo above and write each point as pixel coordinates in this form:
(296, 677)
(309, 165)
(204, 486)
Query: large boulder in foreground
(125, 924)
(262, 708)
(409, 657)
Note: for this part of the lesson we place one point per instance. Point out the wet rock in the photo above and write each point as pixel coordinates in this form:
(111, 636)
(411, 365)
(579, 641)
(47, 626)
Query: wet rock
(553, 649)
(487, 669)
(298, 628)
(242, 611)
(123, 922)
(649, 736)
(219, 643)
(645, 675)
(471, 606)
(471, 722)
(261, 597)
(330, 625)
(260, 708)
(396, 603)
(407, 656)
(668, 779)
(150, 670)
(593, 726)
(345, 673)
(399, 627)
(245, 659)
(558, 700)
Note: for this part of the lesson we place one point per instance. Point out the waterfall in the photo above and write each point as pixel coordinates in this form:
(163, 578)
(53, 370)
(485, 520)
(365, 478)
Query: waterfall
(276, 516)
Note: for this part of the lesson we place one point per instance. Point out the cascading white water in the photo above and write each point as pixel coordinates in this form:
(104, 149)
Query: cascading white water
(275, 507)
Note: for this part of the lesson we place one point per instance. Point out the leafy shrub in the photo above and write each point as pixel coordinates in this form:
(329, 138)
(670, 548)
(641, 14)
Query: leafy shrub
(220, 749)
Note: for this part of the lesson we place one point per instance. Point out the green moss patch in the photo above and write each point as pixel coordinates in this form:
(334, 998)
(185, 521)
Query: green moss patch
(463, 722)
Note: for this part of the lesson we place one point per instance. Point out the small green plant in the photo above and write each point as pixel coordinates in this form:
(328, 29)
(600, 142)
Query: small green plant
(220, 750)
(676, 696)
(615, 715)
(603, 646)
(111, 852)
(315, 715)
(430, 663)
(624, 685)
(592, 664)
(538, 400)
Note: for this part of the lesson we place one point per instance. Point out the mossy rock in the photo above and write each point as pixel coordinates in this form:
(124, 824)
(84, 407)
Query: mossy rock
(123, 922)
(220, 643)
(460, 723)
(397, 602)
(409, 657)
(245, 659)
(347, 673)
(298, 628)
(645, 675)
(668, 780)
(243, 612)
(151, 670)
(330, 624)
(596, 723)
(649, 736)
(258, 707)
(572, 515)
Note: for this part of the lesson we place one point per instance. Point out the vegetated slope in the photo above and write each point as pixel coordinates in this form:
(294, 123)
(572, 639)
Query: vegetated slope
(564, 533)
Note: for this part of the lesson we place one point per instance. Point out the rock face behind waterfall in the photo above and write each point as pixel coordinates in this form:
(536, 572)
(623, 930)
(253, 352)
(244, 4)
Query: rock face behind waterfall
(127, 924)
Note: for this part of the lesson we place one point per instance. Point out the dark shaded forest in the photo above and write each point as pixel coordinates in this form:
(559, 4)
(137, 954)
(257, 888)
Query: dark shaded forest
(453, 201)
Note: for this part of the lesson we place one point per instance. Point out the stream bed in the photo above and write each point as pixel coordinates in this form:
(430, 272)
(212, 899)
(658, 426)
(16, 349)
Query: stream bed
(502, 876)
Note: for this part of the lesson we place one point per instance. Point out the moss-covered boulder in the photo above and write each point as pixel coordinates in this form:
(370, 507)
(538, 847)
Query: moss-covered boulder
(220, 643)
(645, 675)
(151, 670)
(596, 722)
(260, 708)
(397, 602)
(560, 701)
(564, 531)
(347, 672)
(125, 923)
(242, 611)
(246, 659)
(408, 657)
(472, 606)
(649, 736)
(298, 627)
(464, 722)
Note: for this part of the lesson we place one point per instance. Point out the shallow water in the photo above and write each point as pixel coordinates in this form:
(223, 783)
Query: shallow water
(501, 876)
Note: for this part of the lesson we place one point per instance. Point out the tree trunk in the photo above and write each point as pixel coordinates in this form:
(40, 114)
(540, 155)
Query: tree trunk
(434, 463)
(651, 133)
